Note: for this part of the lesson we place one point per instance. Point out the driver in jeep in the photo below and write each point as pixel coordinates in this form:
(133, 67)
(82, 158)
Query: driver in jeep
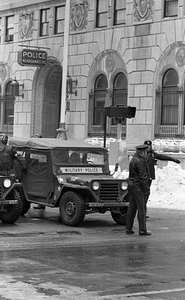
(7, 157)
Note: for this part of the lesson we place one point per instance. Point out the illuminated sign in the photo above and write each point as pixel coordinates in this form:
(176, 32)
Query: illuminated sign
(32, 57)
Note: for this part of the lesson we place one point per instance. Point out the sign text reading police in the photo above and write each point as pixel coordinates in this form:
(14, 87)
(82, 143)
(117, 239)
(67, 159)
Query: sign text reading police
(30, 57)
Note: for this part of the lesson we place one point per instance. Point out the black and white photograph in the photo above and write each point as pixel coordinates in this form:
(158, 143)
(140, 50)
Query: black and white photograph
(92, 149)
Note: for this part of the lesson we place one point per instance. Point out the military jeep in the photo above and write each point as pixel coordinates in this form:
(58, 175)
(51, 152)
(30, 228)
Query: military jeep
(73, 176)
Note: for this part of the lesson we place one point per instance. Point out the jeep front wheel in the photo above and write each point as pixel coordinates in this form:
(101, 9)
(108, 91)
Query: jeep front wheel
(119, 216)
(72, 209)
(25, 204)
(12, 212)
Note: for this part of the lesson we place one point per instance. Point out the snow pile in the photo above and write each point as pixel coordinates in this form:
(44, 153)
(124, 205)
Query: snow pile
(167, 190)
(169, 145)
(100, 142)
(159, 145)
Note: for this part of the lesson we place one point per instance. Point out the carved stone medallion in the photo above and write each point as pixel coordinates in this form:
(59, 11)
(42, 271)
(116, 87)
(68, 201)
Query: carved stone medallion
(180, 56)
(143, 10)
(3, 71)
(110, 63)
(25, 25)
(79, 14)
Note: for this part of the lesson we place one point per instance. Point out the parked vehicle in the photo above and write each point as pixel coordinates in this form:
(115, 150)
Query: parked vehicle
(10, 199)
(73, 176)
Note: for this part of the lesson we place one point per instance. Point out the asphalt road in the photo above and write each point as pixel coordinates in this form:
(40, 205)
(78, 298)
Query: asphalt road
(43, 259)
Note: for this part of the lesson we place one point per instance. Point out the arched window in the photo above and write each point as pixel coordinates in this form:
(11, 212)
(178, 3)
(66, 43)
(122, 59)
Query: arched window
(170, 98)
(100, 91)
(120, 91)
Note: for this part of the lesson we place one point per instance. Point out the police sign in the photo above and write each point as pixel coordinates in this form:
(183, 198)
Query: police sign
(32, 57)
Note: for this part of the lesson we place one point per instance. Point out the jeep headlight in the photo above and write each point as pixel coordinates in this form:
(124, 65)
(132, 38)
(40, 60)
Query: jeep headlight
(7, 183)
(124, 185)
(95, 185)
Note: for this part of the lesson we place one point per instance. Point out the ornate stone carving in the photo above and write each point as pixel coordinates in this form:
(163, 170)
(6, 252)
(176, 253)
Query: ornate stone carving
(79, 14)
(142, 10)
(3, 71)
(25, 25)
(110, 63)
(180, 56)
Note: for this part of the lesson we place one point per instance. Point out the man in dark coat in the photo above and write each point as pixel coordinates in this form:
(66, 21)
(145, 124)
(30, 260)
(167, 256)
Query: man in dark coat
(7, 157)
(139, 190)
(152, 157)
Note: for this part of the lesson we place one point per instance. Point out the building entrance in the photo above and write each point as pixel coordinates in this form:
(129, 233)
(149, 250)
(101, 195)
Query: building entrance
(52, 96)
(47, 100)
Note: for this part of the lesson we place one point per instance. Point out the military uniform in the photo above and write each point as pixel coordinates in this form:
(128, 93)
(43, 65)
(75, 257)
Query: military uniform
(139, 190)
(7, 158)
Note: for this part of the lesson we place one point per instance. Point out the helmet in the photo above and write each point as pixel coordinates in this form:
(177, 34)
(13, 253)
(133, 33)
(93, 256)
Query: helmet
(148, 142)
(3, 138)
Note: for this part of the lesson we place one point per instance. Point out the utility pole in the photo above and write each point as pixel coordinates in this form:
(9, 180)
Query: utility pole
(62, 130)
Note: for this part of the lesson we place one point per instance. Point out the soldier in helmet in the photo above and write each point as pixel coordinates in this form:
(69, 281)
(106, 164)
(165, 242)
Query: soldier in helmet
(8, 156)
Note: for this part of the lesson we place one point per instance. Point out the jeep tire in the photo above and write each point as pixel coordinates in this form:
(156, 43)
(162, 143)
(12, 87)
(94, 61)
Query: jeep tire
(12, 212)
(120, 217)
(72, 209)
(25, 204)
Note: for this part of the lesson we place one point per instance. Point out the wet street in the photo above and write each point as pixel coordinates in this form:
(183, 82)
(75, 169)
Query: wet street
(43, 259)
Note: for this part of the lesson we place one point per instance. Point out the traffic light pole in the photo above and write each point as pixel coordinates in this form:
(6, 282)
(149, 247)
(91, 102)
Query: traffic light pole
(118, 131)
(62, 130)
(104, 129)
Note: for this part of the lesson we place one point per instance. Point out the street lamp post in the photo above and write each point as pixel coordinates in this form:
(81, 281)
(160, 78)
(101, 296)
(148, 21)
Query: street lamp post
(62, 128)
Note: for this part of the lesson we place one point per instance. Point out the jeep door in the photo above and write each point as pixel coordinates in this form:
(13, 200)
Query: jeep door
(38, 179)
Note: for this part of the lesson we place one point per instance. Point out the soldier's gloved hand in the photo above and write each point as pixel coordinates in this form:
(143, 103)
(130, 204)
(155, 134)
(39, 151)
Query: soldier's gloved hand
(177, 161)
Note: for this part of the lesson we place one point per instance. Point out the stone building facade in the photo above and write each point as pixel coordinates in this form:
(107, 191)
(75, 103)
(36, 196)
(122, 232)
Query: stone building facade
(121, 52)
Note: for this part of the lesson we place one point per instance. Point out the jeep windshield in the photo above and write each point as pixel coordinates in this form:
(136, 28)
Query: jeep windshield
(80, 160)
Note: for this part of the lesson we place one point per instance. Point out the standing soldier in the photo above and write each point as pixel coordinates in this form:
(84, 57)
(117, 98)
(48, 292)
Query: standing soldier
(7, 157)
(139, 190)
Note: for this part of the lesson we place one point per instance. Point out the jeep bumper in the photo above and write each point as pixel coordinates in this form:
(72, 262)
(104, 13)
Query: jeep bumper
(112, 204)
